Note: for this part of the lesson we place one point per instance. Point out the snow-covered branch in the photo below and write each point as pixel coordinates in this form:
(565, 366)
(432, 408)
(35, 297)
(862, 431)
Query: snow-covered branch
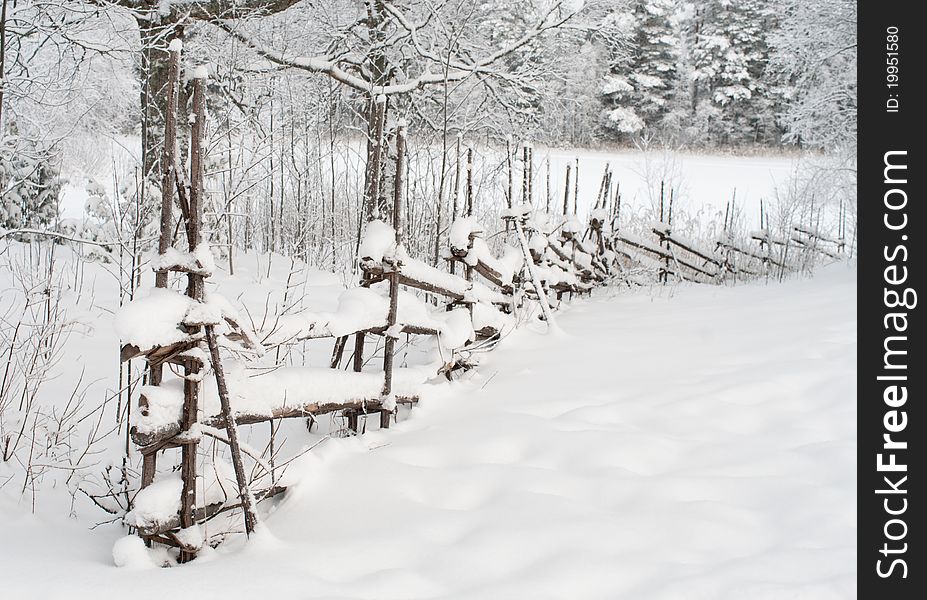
(454, 68)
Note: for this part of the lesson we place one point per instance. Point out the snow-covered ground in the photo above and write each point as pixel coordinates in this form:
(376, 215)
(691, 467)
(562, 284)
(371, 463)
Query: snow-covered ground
(703, 183)
(675, 443)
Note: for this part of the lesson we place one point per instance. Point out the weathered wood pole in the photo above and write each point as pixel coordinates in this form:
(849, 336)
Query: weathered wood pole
(616, 204)
(338, 351)
(468, 270)
(469, 181)
(194, 291)
(372, 198)
(231, 429)
(168, 152)
(535, 277)
(617, 221)
(547, 188)
(374, 159)
(576, 189)
(566, 192)
(508, 161)
(601, 194)
(454, 209)
(663, 274)
(358, 363)
(530, 150)
(391, 334)
(525, 174)
(457, 168)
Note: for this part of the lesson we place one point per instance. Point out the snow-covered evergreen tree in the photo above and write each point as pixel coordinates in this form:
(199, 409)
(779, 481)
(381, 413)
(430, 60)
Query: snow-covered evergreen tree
(29, 187)
(639, 88)
(814, 57)
(731, 99)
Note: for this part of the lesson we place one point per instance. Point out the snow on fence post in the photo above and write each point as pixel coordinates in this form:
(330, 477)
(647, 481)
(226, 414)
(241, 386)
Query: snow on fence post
(468, 269)
(375, 158)
(388, 402)
(194, 291)
(372, 201)
(168, 152)
(231, 428)
(453, 266)
(508, 162)
(535, 277)
(469, 181)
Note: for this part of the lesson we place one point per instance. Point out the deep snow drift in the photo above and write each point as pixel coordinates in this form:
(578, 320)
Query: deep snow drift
(674, 443)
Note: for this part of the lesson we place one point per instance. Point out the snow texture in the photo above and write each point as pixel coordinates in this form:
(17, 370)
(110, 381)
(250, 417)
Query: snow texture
(157, 503)
(462, 230)
(153, 319)
(130, 552)
(694, 445)
(378, 239)
(165, 405)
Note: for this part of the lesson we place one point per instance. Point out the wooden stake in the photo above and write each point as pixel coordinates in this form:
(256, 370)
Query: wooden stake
(530, 150)
(231, 429)
(389, 346)
(457, 183)
(358, 363)
(469, 181)
(661, 201)
(524, 174)
(194, 291)
(576, 189)
(617, 220)
(535, 278)
(338, 351)
(601, 194)
(566, 192)
(376, 159)
(453, 265)
(508, 161)
(547, 189)
(468, 270)
(168, 154)
(663, 274)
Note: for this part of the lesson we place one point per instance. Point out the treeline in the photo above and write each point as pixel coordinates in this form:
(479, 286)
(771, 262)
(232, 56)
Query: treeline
(720, 74)
(292, 84)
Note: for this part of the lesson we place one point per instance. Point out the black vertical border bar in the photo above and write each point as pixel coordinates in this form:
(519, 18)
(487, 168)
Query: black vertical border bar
(889, 254)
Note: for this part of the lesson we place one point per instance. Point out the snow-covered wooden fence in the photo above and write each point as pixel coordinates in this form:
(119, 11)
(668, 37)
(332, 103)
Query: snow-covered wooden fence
(191, 330)
(183, 336)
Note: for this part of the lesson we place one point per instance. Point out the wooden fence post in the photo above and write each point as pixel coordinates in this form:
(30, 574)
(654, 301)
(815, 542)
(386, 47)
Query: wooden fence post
(194, 291)
(168, 151)
(566, 192)
(244, 493)
(390, 344)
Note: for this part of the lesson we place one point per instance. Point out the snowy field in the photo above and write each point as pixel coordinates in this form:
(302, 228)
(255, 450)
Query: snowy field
(703, 183)
(673, 443)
